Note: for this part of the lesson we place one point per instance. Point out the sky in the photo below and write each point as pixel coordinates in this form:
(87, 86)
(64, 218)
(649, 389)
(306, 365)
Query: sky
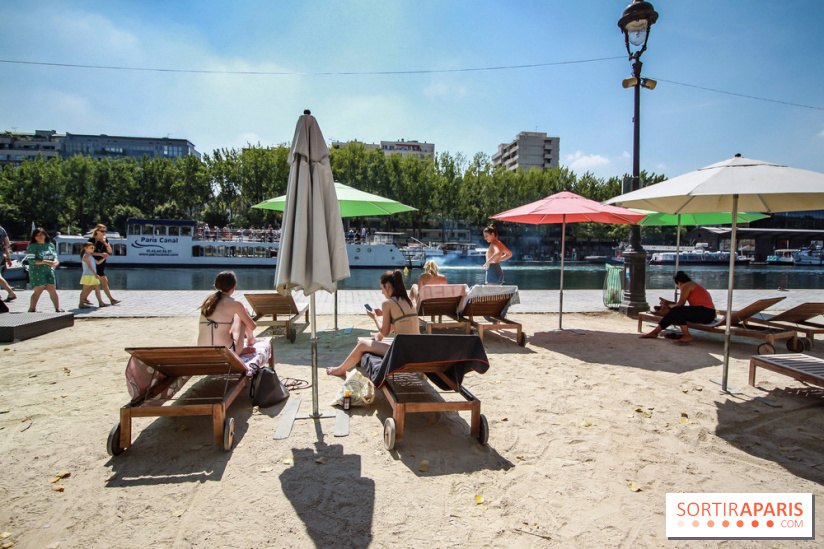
(733, 77)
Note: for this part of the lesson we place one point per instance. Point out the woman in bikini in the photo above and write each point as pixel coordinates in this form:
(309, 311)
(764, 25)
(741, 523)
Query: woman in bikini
(495, 253)
(224, 321)
(396, 314)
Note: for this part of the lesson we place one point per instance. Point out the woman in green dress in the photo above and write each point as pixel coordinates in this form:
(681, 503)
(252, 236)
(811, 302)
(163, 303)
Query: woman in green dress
(42, 261)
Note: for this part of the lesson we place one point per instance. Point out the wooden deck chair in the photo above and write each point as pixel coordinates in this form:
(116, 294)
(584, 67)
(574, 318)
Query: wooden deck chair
(740, 325)
(445, 359)
(155, 374)
(798, 319)
(485, 308)
(277, 305)
(808, 369)
(441, 300)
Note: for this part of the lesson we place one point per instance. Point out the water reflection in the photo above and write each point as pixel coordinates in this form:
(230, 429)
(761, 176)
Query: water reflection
(536, 276)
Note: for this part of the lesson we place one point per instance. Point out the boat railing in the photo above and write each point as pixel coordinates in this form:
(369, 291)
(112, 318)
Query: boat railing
(237, 235)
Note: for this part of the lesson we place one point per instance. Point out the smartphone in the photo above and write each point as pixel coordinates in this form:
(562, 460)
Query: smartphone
(368, 307)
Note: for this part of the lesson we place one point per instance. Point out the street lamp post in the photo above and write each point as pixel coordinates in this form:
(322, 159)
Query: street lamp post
(635, 23)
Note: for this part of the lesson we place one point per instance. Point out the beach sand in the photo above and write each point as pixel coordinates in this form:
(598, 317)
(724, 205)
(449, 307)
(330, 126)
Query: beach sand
(587, 435)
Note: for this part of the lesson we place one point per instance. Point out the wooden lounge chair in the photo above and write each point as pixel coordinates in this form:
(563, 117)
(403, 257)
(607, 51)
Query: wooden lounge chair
(740, 326)
(155, 374)
(485, 307)
(441, 300)
(809, 369)
(445, 359)
(277, 305)
(798, 319)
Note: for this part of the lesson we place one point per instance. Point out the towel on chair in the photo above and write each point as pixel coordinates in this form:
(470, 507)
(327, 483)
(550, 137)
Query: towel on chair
(458, 354)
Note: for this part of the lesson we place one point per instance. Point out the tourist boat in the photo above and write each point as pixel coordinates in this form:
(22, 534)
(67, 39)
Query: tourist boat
(456, 252)
(697, 257)
(808, 256)
(782, 257)
(179, 243)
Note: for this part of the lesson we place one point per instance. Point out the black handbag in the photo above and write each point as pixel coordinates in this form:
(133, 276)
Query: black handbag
(266, 389)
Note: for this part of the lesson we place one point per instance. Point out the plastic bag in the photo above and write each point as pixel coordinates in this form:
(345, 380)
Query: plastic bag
(361, 390)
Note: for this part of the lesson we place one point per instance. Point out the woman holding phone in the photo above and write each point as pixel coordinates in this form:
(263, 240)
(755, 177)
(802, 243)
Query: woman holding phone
(396, 314)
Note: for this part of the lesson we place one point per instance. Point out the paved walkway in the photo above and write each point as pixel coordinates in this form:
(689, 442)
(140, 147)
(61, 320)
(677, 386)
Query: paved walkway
(145, 303)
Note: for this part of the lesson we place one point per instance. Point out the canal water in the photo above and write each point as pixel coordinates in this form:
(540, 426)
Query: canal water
(531, 276)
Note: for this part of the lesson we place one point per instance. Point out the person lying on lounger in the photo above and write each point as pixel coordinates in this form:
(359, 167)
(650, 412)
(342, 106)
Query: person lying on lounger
(700, 308)
(224, 321)
(396, 313)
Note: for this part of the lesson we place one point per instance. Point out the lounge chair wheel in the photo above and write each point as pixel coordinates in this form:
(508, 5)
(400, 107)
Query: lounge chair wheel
(522, 340)
(807, 342)
(483, 436)
(766, 349)
(113, 445)
(795, 345)
(293, 335)
(389, 433)
(228, 433)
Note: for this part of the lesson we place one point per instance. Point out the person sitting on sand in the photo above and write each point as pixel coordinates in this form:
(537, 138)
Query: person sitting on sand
(700, 308)
(224, 321)
(429, 276)
(396, 313)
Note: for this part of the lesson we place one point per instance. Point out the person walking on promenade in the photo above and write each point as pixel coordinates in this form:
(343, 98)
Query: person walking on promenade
(495, 253)
(89, 278)
(5, 246)
(102, 250)
(42, 262)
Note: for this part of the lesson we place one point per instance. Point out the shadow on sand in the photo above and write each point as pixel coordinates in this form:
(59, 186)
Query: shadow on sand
(787, 432)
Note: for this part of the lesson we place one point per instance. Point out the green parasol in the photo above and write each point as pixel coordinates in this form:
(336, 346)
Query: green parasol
(702, 218)
(708, 218)
(353, 203)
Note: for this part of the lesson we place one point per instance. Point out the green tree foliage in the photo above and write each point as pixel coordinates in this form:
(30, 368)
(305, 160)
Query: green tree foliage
(449, 191)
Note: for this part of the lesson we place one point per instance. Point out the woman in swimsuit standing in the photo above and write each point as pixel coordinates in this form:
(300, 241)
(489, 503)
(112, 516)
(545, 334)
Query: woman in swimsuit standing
(224, 321)
(396, 313)
(495, 253)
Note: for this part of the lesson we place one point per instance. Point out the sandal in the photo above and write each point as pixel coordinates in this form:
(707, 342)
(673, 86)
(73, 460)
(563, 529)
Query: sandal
(115, 301)
(59, 310)
(12, 297)
(103, 305)
(84, 306)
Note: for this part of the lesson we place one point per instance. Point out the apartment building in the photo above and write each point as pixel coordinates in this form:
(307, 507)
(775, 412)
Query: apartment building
(402, 147)
(16, 147)
(529, 150)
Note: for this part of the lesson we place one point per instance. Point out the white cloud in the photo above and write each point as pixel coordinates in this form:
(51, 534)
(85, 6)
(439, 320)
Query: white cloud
(581, 162)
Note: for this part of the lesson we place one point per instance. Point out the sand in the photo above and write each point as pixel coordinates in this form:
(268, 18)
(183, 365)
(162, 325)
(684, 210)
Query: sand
(587, 435)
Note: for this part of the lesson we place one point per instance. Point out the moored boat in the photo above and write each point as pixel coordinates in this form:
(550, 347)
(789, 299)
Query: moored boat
(782, 257)
(808, 256)
(697, 258)
(179, 243)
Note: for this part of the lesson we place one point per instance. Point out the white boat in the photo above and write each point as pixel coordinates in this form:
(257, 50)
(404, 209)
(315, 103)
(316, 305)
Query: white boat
(782, 257)
(697, 257)
(809, 256)
(179, 243)
(17, 269)
(456, 252)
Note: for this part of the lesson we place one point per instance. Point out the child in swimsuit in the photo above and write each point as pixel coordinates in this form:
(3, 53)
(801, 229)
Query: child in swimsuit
(396, 313)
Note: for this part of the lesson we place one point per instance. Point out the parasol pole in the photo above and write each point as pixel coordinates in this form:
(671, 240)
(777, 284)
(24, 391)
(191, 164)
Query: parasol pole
(561, 300)
(729, 296)
(312, 312)
(677, 252)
